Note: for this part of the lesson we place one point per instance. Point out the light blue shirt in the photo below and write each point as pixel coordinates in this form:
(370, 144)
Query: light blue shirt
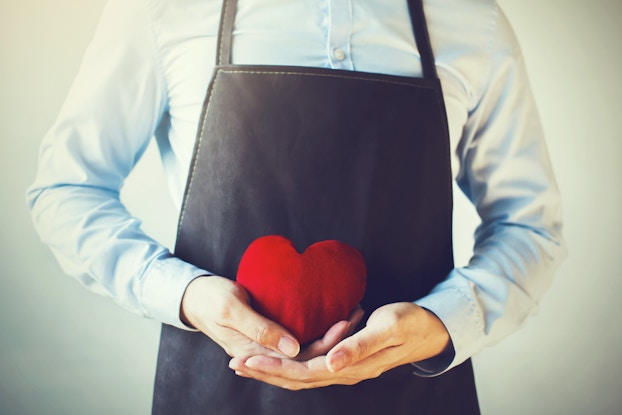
(145, 75)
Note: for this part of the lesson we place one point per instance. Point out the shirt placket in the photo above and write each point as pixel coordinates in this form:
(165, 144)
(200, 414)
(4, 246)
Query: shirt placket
(339, 27)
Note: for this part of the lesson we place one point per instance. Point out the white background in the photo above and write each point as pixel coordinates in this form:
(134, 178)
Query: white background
(66, 351)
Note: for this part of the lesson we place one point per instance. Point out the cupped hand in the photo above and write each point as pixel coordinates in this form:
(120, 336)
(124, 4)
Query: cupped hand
(220, 308)
(395, 334)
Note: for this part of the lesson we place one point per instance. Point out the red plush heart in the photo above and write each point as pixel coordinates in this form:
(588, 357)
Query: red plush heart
(306, 293)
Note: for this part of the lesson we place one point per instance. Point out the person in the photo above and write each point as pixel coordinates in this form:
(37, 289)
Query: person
(323, 119)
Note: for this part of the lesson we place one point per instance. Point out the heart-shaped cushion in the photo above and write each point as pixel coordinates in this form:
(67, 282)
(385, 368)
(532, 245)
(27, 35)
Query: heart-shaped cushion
(306, 293)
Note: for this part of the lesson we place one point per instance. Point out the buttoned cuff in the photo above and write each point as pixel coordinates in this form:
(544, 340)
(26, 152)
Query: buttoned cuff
(164, 286)
(462, 319)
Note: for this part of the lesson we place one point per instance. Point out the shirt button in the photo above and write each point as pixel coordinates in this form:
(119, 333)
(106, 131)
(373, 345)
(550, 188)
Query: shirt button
(339, 54)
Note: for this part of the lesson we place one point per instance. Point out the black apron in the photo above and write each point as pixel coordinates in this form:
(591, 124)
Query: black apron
(316, 154)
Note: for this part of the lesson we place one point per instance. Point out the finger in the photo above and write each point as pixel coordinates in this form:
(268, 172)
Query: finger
(355, 318)
(357, 347)
(334, 335)
(321, 346)
(285, 373)
(235, 343)
(263, 331)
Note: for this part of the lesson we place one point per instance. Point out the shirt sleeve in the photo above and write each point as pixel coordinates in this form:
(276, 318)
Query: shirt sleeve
(112, 110)
(506, 173)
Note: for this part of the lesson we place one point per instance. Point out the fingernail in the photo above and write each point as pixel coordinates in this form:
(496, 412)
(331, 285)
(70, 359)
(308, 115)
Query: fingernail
(288, 346)
(253, 362)
(235, 363)
(337, 362)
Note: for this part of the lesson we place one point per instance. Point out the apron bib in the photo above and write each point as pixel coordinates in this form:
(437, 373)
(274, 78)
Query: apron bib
(316, 154)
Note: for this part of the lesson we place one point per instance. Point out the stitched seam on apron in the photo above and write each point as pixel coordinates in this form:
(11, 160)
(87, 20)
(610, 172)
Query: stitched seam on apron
(196, 156)
(386, 81)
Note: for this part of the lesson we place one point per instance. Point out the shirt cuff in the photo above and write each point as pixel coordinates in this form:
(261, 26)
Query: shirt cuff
(436, 365)
(462, 319)
(163, 289)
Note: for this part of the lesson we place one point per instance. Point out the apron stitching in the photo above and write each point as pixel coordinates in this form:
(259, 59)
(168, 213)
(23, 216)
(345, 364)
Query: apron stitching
(331, 76)
(198, 151)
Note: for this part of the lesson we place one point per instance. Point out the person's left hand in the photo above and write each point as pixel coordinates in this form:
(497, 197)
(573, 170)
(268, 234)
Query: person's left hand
(395, 334)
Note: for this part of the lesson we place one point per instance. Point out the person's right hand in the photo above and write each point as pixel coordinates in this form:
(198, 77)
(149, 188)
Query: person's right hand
(219, 307)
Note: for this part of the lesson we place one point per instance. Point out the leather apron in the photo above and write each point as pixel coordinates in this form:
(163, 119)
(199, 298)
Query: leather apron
(316, 154)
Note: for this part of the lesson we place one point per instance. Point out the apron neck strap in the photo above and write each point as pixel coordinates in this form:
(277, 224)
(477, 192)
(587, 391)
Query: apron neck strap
(225, 32)
(417, 18)
(422, 38)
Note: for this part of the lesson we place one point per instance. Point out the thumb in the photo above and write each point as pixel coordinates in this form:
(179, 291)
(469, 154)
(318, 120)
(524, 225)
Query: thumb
(265, 332)
(357, 347)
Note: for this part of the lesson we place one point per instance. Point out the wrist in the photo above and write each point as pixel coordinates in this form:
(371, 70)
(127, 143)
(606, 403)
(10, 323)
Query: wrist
(442, 352)
(439, 339)
(187, 300)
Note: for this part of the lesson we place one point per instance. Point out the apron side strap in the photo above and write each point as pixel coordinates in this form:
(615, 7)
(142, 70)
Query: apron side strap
(225, 32)
(420, 29)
